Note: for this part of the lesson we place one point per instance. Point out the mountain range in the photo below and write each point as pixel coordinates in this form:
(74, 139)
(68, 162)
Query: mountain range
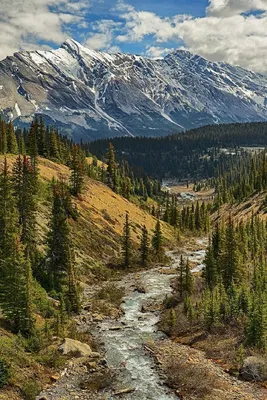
(90, 94)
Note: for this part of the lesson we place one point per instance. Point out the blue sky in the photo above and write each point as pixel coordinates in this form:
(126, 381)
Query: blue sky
(233, 31)
(110, 10)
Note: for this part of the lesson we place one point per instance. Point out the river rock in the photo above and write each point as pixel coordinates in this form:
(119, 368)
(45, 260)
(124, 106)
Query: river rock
(97, 317)
(74, 347)
(54, 378)
(94, 354)
(115, 328)
(124, 391)
(92, 365)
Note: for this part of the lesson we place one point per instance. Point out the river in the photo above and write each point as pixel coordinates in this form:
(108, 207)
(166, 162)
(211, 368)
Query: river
(124, 340)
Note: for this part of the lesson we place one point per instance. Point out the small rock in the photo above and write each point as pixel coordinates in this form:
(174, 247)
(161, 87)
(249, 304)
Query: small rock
(54, 378)
(103, 363)
(124, 391)
(97, 317)
(92, 365)
(94, 354)
(115, 328)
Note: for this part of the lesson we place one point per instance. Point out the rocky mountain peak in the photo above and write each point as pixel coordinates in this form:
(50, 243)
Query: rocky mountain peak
(91, 94)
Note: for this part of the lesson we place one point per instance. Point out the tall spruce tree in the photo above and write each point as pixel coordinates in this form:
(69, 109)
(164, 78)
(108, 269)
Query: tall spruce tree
(112, 168)
(77, 172)
(61, 273)
(157, 240)
(24, 183)
(12, 145)
(144, 246)
(15, 268)
(126, 246)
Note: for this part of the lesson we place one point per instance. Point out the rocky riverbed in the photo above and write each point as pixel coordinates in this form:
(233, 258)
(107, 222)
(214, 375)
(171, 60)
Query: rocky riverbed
(125, 368)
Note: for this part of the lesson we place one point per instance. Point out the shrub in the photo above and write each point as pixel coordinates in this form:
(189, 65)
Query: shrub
(112, 294)
(30, 389)
(4, 373)
(171, 302)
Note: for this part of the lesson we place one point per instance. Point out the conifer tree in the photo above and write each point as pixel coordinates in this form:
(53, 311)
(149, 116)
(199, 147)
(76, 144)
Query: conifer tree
(58, 242)
(77, 172)
(144, 246)
(21, 143)
(52, 144)
(60, 254)
(33, 142)
(12, 145)
(24, 181)
(126, 248)
(15, 268)
(157, 240)
(112, 168)
(188, 280)
(3, 137)
(8, 215)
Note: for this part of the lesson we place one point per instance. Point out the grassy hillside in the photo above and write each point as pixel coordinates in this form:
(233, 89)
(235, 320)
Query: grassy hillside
(96, 236)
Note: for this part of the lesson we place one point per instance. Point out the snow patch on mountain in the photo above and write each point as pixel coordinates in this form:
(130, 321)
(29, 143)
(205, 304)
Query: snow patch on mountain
(93, 94)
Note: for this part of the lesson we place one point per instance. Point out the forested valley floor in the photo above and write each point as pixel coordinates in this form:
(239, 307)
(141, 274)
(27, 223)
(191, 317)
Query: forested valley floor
(83, 241)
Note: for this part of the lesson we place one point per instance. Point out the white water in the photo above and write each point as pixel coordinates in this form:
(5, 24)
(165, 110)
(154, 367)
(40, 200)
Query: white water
(125, 348)
(125, 351)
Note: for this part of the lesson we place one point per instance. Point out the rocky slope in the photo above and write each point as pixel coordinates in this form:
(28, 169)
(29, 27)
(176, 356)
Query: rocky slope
(91, 94)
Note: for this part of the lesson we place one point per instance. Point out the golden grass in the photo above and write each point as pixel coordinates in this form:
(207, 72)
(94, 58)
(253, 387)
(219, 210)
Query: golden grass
(102, 211)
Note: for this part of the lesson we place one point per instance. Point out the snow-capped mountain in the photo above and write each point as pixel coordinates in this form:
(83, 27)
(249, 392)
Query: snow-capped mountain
(91, 94)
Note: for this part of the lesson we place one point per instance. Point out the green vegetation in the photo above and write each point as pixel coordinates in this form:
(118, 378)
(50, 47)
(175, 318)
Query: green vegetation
(193, 155)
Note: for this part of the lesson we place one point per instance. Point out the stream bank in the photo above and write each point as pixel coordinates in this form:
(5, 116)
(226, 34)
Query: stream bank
(125, 368)
(125, 365)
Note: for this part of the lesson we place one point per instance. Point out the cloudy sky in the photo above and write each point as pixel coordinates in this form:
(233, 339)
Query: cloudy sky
(234, 31)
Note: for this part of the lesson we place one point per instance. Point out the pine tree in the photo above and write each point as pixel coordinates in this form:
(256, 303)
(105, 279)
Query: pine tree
(24, 181)
(210, 271)
(157, 240)
(15, 269)
(3, 137)
(12, 145)
(77, 172)
(21, 143)
(126, 248)
(188, 280)
(112, 169)
(60, 254)
(41, 139)
(144, 246)
(52, 144)
(33, 142)
(8, 216)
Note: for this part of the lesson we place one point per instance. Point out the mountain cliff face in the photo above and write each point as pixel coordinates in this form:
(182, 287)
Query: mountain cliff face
(92, 95)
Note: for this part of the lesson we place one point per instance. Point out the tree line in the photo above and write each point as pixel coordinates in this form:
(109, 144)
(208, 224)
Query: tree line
(22, 264)
(194, 155)
(235, 276)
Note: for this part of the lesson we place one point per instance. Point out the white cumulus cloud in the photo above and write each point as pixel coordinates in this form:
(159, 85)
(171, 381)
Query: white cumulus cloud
(226, 8)
(25, 22)
(229, 32)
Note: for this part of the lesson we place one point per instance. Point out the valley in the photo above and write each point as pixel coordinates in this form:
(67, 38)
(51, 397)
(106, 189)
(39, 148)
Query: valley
(127, 285)
(133, 200)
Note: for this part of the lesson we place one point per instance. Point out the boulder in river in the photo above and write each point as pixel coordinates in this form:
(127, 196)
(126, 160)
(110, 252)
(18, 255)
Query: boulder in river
(76, 348)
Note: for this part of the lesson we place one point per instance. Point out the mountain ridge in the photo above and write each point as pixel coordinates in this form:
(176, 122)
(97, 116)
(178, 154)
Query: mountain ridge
(91, 94)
